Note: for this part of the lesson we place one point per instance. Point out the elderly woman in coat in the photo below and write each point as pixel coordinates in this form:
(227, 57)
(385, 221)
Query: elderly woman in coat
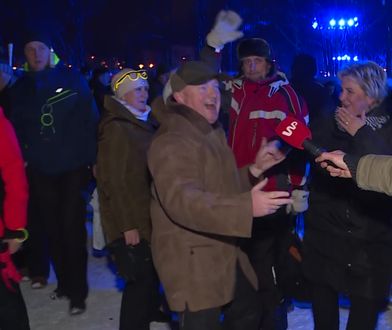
(348, 236)
(123, 181)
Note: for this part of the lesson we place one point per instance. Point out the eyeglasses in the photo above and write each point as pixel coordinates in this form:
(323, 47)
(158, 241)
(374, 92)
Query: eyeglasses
(132, 76)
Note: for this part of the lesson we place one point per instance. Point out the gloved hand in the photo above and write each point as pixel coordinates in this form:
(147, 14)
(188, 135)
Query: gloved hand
(8, 271)
(5, 75)
(225, 29)
(300, 201)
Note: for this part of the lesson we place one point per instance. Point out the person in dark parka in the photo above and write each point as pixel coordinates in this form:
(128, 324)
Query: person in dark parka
(55, 118)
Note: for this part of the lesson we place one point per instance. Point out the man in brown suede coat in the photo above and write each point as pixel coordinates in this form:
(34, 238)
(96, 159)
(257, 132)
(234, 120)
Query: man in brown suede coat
(202, 204)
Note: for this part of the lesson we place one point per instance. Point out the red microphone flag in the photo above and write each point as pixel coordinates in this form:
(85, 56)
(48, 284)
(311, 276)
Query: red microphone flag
(293, 132)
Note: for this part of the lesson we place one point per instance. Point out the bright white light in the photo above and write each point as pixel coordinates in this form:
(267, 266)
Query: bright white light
(355, 19)
(350, 22)
(315, 25)
(342, 22)
(332, 22)
(345, 57)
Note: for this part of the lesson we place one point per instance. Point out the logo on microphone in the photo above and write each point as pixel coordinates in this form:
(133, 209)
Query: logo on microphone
(289, 129)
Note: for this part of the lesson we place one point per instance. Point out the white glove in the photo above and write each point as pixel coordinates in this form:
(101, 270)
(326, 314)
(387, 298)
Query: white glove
(300, 201)
(225, 29)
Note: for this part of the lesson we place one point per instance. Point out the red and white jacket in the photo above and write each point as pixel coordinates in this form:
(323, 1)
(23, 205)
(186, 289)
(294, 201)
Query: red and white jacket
(256, 108)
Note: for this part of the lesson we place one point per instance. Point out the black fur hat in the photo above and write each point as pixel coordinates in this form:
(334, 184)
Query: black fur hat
(253, 47)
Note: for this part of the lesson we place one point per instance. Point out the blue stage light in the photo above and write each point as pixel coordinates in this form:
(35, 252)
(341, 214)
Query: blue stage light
(342, 22)
(315, 25)
(350, 22)
(332, 22)
(345, 57)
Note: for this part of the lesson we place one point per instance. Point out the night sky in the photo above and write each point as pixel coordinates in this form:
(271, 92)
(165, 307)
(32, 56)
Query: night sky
(146, 30)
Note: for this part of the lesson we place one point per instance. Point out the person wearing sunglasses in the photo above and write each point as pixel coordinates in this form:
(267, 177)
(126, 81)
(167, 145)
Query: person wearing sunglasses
(123, 182)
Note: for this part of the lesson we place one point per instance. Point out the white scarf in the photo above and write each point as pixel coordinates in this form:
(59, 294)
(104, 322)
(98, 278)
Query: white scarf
(141, 115)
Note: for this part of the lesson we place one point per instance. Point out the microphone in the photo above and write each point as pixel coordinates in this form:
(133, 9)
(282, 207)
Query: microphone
(298, 135)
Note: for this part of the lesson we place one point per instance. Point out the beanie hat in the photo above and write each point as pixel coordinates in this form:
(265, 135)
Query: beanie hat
(37, 35)
(253, 47)
(127, 80)
(192, 73)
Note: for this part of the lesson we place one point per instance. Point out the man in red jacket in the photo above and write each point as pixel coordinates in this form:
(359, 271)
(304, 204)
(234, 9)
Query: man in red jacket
(13, 206)
(257, 101)
(260, 100)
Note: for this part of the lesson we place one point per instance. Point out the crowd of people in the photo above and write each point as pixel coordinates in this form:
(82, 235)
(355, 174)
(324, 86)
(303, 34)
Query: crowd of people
(196, 190)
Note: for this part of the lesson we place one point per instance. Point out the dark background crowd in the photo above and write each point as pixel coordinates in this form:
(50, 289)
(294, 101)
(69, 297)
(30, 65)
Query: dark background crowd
(114, 32)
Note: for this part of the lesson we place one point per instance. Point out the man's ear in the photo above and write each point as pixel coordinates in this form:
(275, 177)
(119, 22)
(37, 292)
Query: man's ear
(179, 97)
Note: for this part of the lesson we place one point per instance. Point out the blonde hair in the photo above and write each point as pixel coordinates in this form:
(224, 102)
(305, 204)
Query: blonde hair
(370, 77)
